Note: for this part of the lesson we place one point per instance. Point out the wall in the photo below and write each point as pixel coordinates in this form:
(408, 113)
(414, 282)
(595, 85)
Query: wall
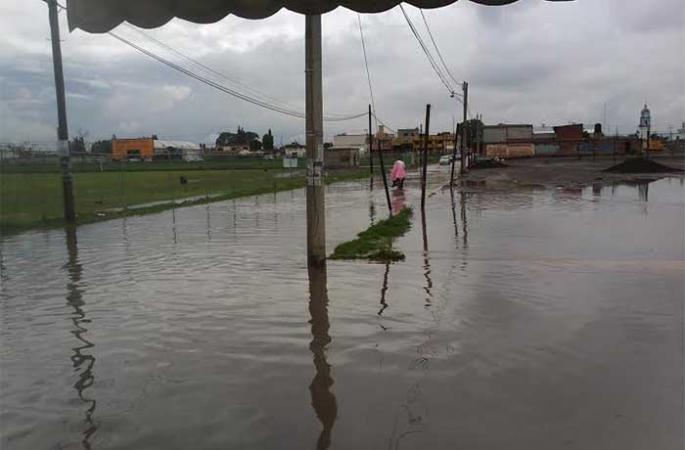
(546, 149)
(350, 140)
(122, 147)
(494, 135)
(341, 157)
(508, 151)
(520, 133)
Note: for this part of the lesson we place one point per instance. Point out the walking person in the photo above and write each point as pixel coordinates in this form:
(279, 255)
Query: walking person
(398, 174)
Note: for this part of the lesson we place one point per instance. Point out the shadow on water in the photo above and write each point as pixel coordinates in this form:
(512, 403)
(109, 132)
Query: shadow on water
(323, 400)
(82, 362)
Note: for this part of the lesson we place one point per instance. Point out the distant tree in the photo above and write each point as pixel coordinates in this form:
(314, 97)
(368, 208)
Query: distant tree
(268, 142)
(328, 145)
(77, 145)
(255, 145)
(241, 137)
(102, 147)
(474, 130)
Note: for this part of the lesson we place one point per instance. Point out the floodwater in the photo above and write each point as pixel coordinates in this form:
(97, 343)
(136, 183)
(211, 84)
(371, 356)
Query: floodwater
(536, 319)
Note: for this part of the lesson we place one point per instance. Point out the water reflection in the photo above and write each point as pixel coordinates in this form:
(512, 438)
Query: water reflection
(426, 261)
(464, 225)
(323, 400)
(372, 209)
(643, 190)
(384, 290)
(209, 225)
(453, 203)
(399, 201)
(82, 362)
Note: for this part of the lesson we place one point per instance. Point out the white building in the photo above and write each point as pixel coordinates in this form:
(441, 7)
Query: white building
(357, 141)
(681, 133)
(645, 123)
(187, 151)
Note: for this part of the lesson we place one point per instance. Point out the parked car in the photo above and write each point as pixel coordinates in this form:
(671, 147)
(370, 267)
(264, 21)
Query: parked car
(445, 160)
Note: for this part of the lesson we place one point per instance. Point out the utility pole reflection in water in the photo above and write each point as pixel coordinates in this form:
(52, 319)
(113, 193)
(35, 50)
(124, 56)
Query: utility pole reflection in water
(323, 400)
(82, 362)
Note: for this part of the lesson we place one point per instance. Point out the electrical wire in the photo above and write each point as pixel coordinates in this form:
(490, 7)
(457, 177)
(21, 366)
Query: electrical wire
(227, 90)
(366, 64)
(286, 110)
(208, 68)
(437, 50)
(431, 60)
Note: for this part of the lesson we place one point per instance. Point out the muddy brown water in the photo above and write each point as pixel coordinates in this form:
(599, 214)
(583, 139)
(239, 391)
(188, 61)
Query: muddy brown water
(540, 319)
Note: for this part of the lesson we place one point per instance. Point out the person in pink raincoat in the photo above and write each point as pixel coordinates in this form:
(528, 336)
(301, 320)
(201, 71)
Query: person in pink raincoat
(398, 174)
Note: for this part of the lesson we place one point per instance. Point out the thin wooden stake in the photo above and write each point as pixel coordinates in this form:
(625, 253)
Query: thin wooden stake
(424, 162)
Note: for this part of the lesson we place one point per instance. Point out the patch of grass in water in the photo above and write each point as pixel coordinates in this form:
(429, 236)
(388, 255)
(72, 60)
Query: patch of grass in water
(375, 243)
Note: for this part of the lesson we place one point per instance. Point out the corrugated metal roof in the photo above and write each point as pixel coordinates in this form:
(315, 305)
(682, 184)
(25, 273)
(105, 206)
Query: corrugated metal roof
(100, 16)
(160, 144)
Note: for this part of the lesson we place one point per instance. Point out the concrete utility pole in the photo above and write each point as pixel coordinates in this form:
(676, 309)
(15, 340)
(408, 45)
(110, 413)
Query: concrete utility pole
(465, 88)
(62, 130)
(316, 216)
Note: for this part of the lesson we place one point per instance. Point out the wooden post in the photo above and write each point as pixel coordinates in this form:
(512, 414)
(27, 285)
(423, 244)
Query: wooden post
(316, 218)
(424, 162)
(454, 154)
(370, 146)
(62, 130)
(465, 88)
(385, 176)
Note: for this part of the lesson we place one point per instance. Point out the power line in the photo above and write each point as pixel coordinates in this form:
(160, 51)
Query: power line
(227, 90)
(431, 60)
(437, 49)
(208, 68)
(366, 64)
(286, 110)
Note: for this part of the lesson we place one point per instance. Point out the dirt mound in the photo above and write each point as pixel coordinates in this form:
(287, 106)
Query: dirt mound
(486, 164)
(641, 165)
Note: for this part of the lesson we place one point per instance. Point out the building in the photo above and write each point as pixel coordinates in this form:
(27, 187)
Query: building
(508, 140)
(356, 141)
(507, 133)
(148, 149)
(681, 133)
(294, 150)
(136, 149)
(645, 123)
(411, 140)
(339, 157)
(176, 150)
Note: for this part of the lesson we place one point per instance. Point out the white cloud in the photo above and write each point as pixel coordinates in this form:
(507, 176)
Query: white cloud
(532, 61)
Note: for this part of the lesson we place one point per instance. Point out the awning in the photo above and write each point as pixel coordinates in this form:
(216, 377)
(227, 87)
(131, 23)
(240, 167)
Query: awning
(100, 16)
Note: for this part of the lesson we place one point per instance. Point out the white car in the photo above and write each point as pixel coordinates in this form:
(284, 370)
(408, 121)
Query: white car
(445, 160)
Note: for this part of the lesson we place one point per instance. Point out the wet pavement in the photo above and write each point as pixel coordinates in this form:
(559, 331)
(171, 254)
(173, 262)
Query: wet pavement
(548, 319)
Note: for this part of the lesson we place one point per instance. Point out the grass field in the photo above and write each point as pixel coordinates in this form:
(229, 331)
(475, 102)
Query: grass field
(34, 200)
(375, 243)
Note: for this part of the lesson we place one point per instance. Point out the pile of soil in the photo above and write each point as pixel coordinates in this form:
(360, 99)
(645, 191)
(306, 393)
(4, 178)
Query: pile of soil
(641, 165)
(486, 164)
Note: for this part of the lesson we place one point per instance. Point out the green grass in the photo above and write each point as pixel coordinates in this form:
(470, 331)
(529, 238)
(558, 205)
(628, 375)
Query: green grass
(375, 243)
(89, 164)
(34, 200)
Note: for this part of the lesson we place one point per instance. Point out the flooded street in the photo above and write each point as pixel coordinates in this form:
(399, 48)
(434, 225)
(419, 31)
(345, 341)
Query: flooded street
(533, 319)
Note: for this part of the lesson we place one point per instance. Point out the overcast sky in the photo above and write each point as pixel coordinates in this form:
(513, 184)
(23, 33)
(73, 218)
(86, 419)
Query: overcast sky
(530, 62)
